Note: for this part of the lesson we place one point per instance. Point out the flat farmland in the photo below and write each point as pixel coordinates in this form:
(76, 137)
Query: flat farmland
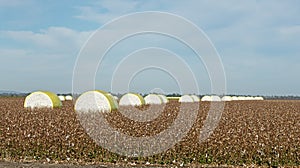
(253, 133)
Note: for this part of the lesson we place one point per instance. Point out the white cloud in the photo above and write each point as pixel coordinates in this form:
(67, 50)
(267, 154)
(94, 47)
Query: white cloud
(42, 60)
(118, 6)
(248, 24)
(53, 39)
(103, 11)
(248, 35)
(12, 52)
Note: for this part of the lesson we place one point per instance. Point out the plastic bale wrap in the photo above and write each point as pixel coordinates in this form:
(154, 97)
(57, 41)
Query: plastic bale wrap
(42, 99)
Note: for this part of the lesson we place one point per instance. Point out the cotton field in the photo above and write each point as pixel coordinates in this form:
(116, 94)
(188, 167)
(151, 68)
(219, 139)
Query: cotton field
(252, 130)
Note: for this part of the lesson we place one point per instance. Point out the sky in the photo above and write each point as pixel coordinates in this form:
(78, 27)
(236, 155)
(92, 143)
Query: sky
(258, 43)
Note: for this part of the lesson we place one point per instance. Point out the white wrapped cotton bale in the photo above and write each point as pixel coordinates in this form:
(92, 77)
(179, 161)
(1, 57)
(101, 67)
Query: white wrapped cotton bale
(131, 99)
(252, 98)
(95, 101)
(173, 98)
(195, 98)
(258, 98)
(153, 99)
(186, 99)
(215, 98)
(61, 98)
(116, 98)
(234, 98)
(164, 98)
(249, 98)
(69, 97)
(226, 98)
(206, 98)
(241, 98)
(42, 99)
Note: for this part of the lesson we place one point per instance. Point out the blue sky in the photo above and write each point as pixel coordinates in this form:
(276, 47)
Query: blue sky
(258, 42)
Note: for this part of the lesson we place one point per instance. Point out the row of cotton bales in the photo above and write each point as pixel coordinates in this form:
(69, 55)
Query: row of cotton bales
(45, 99)
(40, 99)
(95, 100)
(105, 102)
(188, 99)
(91, 100)
(230, 98)
(194, 98)
(135, 99)
(65, 98)
(211, 98)
(234, 98)
(48, 99)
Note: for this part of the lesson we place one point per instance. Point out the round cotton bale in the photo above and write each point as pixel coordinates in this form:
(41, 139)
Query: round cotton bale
(95, 101)
(69, 97)
(116, 98)
(241, 98)
(250, 98)
(42, 99)
(234, 98)
(215, 98)
(195, 98)
(173, 98)
(206, 98)
(164, 98)
(186, 99)
(258, 98)
(153, 99)
(226, 98)
(131, 99)
(61, 98)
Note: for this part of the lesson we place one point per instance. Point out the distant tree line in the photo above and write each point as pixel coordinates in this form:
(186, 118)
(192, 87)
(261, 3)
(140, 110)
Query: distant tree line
(282, 97)
(13, 94)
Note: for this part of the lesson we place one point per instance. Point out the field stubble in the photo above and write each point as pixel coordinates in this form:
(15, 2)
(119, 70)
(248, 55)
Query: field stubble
(249, 133)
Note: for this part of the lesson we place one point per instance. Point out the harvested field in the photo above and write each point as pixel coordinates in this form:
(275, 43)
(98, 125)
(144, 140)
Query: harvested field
(249, 133)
